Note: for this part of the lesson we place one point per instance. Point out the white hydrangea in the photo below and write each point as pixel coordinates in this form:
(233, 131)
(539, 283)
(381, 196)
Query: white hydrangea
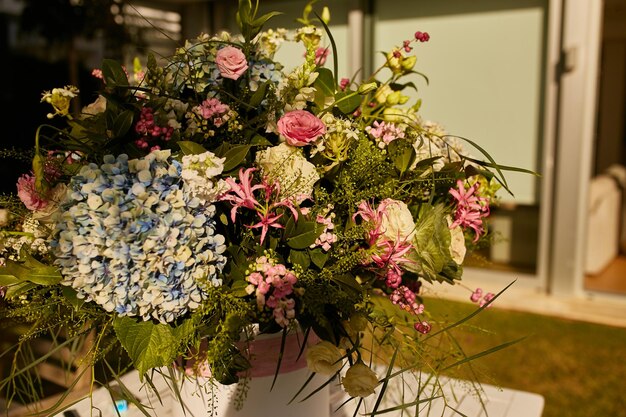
(199, 171)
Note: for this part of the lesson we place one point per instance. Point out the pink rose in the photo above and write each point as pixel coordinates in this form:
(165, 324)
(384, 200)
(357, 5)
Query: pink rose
(29, 195)
(299, 127)
(231, 62)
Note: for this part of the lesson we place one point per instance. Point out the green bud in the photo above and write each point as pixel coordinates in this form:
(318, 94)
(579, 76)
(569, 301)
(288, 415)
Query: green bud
(408, 63)
(393, 98)
(366, 88)
(325, 15)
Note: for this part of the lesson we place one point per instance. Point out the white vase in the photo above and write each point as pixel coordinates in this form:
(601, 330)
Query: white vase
(202, 397)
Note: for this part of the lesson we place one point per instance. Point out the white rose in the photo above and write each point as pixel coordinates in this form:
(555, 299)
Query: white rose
(398, 224)
(287, 165)
(457, 243)
(5, 216)
(360, 381)
(96, 107)
(324, 358)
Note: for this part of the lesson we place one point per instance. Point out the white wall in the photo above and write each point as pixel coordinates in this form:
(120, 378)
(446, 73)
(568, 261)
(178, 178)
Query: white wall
(485, 65)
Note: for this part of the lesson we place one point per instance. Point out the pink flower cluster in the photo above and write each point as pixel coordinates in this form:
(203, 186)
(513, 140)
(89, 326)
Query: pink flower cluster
(241, 195)
(150, 130)
(272, 285)
(384, 132)
(214, 110)
(405, 298)
(470, 208)
(478, 297)
(327, 237)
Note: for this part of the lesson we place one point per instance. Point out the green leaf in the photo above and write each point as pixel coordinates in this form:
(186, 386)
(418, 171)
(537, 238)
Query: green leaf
(332, 43)
(188, 147)
(325, 81)
(400, 86)
(8, 280)
(18, 289)
(384, 309)
(113, 74)
(347, 101)
(300, 257)
(149, 345)
(71, 296)
(304, 234)
(259, 140)
(348, 280)
(319, 257)
(35, 273)
(402, 155)
(122, 123)
(324, 86)
(258, 95)
(431, 257)
(238, 288)
(234, 156)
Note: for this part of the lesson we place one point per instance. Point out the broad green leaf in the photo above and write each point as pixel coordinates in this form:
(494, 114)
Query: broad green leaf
(325, 81)
(234, 156)
(188, 147)
(304, 235)
(149, 345)
(349, 281)
(347, 101)
(7, 280)
(319, 257)
(431, 257)
(324, 87)
(122, 123)
(19, 289)
(300, 257)
(41, 275)
(71, 296)
(238, 288)
(113, 74)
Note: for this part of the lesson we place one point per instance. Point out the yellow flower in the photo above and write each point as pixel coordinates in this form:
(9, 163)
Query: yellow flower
(360, 380)
(60, 99)
(324, 358)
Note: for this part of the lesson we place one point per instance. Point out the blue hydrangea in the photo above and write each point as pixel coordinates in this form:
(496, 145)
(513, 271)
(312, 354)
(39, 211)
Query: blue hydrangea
(261, 71)
(133, 238)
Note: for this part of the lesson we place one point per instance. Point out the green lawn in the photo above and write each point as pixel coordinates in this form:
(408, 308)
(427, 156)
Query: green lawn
(579, 368)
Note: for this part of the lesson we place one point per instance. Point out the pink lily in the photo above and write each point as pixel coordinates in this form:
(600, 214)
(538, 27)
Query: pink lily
(266, 222)
(244, 192)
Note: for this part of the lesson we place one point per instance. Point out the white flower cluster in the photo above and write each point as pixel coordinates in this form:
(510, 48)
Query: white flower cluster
(133, 238)
(437, 143)
(34, 238)
(197, 172)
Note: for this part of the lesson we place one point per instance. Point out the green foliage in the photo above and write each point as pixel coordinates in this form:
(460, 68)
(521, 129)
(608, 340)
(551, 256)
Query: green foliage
(148, 344)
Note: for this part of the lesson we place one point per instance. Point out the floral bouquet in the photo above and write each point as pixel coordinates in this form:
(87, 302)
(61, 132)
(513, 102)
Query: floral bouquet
(198, 197)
